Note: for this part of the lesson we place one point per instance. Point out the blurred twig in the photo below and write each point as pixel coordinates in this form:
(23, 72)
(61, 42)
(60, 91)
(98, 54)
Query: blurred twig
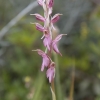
(6, 28)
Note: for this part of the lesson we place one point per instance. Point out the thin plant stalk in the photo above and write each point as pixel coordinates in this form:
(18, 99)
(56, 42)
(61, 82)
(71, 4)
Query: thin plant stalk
(72, 82)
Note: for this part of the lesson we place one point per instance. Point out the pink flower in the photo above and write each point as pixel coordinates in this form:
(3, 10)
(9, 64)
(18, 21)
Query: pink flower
(46, 60)
(47, 40)
(39, 17)
(39, 27)
(51, 72)
(54, 43)
(55, 18)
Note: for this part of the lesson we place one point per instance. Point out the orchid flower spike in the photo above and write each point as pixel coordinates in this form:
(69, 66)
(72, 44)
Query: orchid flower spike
(48, 42)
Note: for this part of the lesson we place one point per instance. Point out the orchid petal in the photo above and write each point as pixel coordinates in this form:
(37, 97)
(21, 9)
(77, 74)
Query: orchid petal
(39, 17)
(55, 18)
(46, 60)
(55, 48)
(45, 63)
(51, 72)
(58, 37)
(47, 40)
(39, 27)
(51, 2)
(54, 43)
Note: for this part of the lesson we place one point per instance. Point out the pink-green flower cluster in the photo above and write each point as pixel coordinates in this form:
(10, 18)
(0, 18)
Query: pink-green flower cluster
(48, 42)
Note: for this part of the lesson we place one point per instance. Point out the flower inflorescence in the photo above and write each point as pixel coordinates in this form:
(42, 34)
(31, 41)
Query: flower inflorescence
(48, 42)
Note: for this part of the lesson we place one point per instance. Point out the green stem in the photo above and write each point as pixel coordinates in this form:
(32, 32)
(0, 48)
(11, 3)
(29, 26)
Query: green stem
(53, 86)
(53, 90)
(57, 78)
(72, 82)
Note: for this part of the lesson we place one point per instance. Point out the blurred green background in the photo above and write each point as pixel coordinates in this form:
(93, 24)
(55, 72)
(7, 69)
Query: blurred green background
(20, 75)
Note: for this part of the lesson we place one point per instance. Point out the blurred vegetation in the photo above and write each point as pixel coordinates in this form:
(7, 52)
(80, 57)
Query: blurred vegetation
(20, 75)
